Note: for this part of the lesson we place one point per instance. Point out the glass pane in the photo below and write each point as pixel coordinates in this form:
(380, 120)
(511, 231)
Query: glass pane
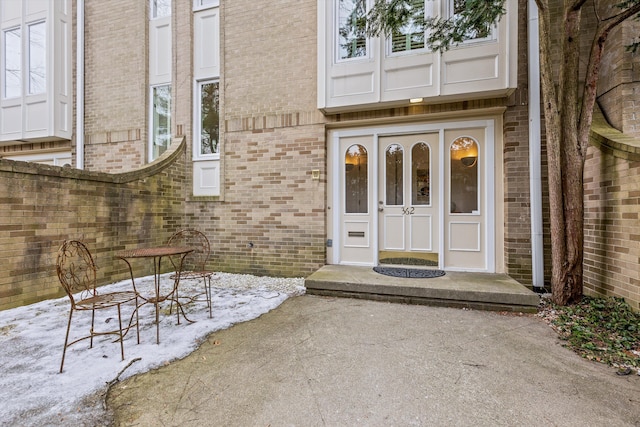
(161, 120)
(411, 35)
(352, 42)
(37, 58)
(160, 8)
(210, 118)
(420, 175)
(464, 176)
(356, 180)
(477, 32)
(13, 60)
(393, 175)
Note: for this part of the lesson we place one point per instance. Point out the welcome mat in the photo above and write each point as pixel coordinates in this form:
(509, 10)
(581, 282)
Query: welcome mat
(414, 273)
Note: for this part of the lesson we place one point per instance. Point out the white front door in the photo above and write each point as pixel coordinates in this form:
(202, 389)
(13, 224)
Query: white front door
(421, 195)
(408, 199)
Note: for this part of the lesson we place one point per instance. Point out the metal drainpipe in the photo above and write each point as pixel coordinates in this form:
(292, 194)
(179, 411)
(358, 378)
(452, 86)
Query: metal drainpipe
(80, 85)
(535, 180)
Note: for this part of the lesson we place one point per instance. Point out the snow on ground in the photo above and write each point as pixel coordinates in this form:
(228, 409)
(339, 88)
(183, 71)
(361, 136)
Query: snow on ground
(34, 393)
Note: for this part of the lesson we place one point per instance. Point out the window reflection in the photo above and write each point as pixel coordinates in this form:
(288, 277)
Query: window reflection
(356, 179)
(464, 175)
(161, 120)
(411, 35)
(37, 58)
(352, 41)
(420, 175)
(393, 175)
(13, 60)
(209, 118)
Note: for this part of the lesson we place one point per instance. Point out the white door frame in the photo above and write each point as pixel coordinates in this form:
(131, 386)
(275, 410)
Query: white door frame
(489, 180)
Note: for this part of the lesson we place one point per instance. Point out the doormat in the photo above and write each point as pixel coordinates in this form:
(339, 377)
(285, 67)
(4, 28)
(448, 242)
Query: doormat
(413, 273)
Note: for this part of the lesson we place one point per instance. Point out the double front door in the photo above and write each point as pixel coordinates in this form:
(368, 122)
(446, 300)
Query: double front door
(415, 198)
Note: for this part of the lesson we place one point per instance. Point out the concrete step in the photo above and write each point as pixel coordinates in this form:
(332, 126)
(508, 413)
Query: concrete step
(480, 291)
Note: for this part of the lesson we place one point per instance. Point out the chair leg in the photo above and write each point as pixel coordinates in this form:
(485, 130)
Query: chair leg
(120, 332)
(66, 340)
(93, 316)
(207, 290)
(137, 321)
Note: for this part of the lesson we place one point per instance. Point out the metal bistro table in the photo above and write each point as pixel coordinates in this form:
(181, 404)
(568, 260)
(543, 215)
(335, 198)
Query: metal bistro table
(157, 253)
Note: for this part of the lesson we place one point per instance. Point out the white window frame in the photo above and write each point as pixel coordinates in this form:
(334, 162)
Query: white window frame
(197, 122)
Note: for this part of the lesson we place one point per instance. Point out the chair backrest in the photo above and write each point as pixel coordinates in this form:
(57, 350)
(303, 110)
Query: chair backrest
(196, 260)
(76, 269)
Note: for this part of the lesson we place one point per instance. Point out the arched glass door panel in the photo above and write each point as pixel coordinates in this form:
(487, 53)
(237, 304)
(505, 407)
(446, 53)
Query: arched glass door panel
(394, 163)
(356, 179)
(420, 174)
(464, 176)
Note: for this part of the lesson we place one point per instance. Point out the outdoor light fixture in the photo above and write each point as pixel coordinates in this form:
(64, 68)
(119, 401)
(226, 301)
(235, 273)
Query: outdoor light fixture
(469, 161)
(415, 100)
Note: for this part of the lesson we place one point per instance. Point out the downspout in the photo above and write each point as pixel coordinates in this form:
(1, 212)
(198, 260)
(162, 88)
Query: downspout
(80, 84)
(535, 176)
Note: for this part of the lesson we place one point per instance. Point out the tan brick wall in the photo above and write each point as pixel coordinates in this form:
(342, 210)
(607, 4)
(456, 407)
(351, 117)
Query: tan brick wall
(40, 206)
(612, 227)
(517, 201)
(116, 89)
(273, 138)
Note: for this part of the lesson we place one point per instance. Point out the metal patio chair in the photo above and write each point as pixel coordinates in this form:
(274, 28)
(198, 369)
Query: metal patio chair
(77, 273)
(195, 263)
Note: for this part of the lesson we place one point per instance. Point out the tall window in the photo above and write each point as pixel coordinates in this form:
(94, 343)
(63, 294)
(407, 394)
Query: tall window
(209, 118)
(12, 52)
(37, 58)
(160, 120)
(410, 36)
(352, 41)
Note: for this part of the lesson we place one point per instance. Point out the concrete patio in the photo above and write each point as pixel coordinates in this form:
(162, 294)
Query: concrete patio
(480, 291)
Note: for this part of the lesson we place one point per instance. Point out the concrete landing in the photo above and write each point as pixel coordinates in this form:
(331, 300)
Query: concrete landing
(480, 291)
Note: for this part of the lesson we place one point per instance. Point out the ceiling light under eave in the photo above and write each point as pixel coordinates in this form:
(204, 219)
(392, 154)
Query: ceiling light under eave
(415, 100)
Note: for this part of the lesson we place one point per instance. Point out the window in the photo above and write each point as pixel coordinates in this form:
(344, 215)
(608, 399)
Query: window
(37, 58)
(160, 120)
(160, 8)
(356, 180)
(352, 41)
(208, 119)
(12, 63)
(475, 34)
(412, 35)
(464, 175)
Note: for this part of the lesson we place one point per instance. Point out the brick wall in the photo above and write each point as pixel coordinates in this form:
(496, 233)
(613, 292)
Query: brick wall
(273, 138)
(612, 226)
(40, 206)
(116, 89)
